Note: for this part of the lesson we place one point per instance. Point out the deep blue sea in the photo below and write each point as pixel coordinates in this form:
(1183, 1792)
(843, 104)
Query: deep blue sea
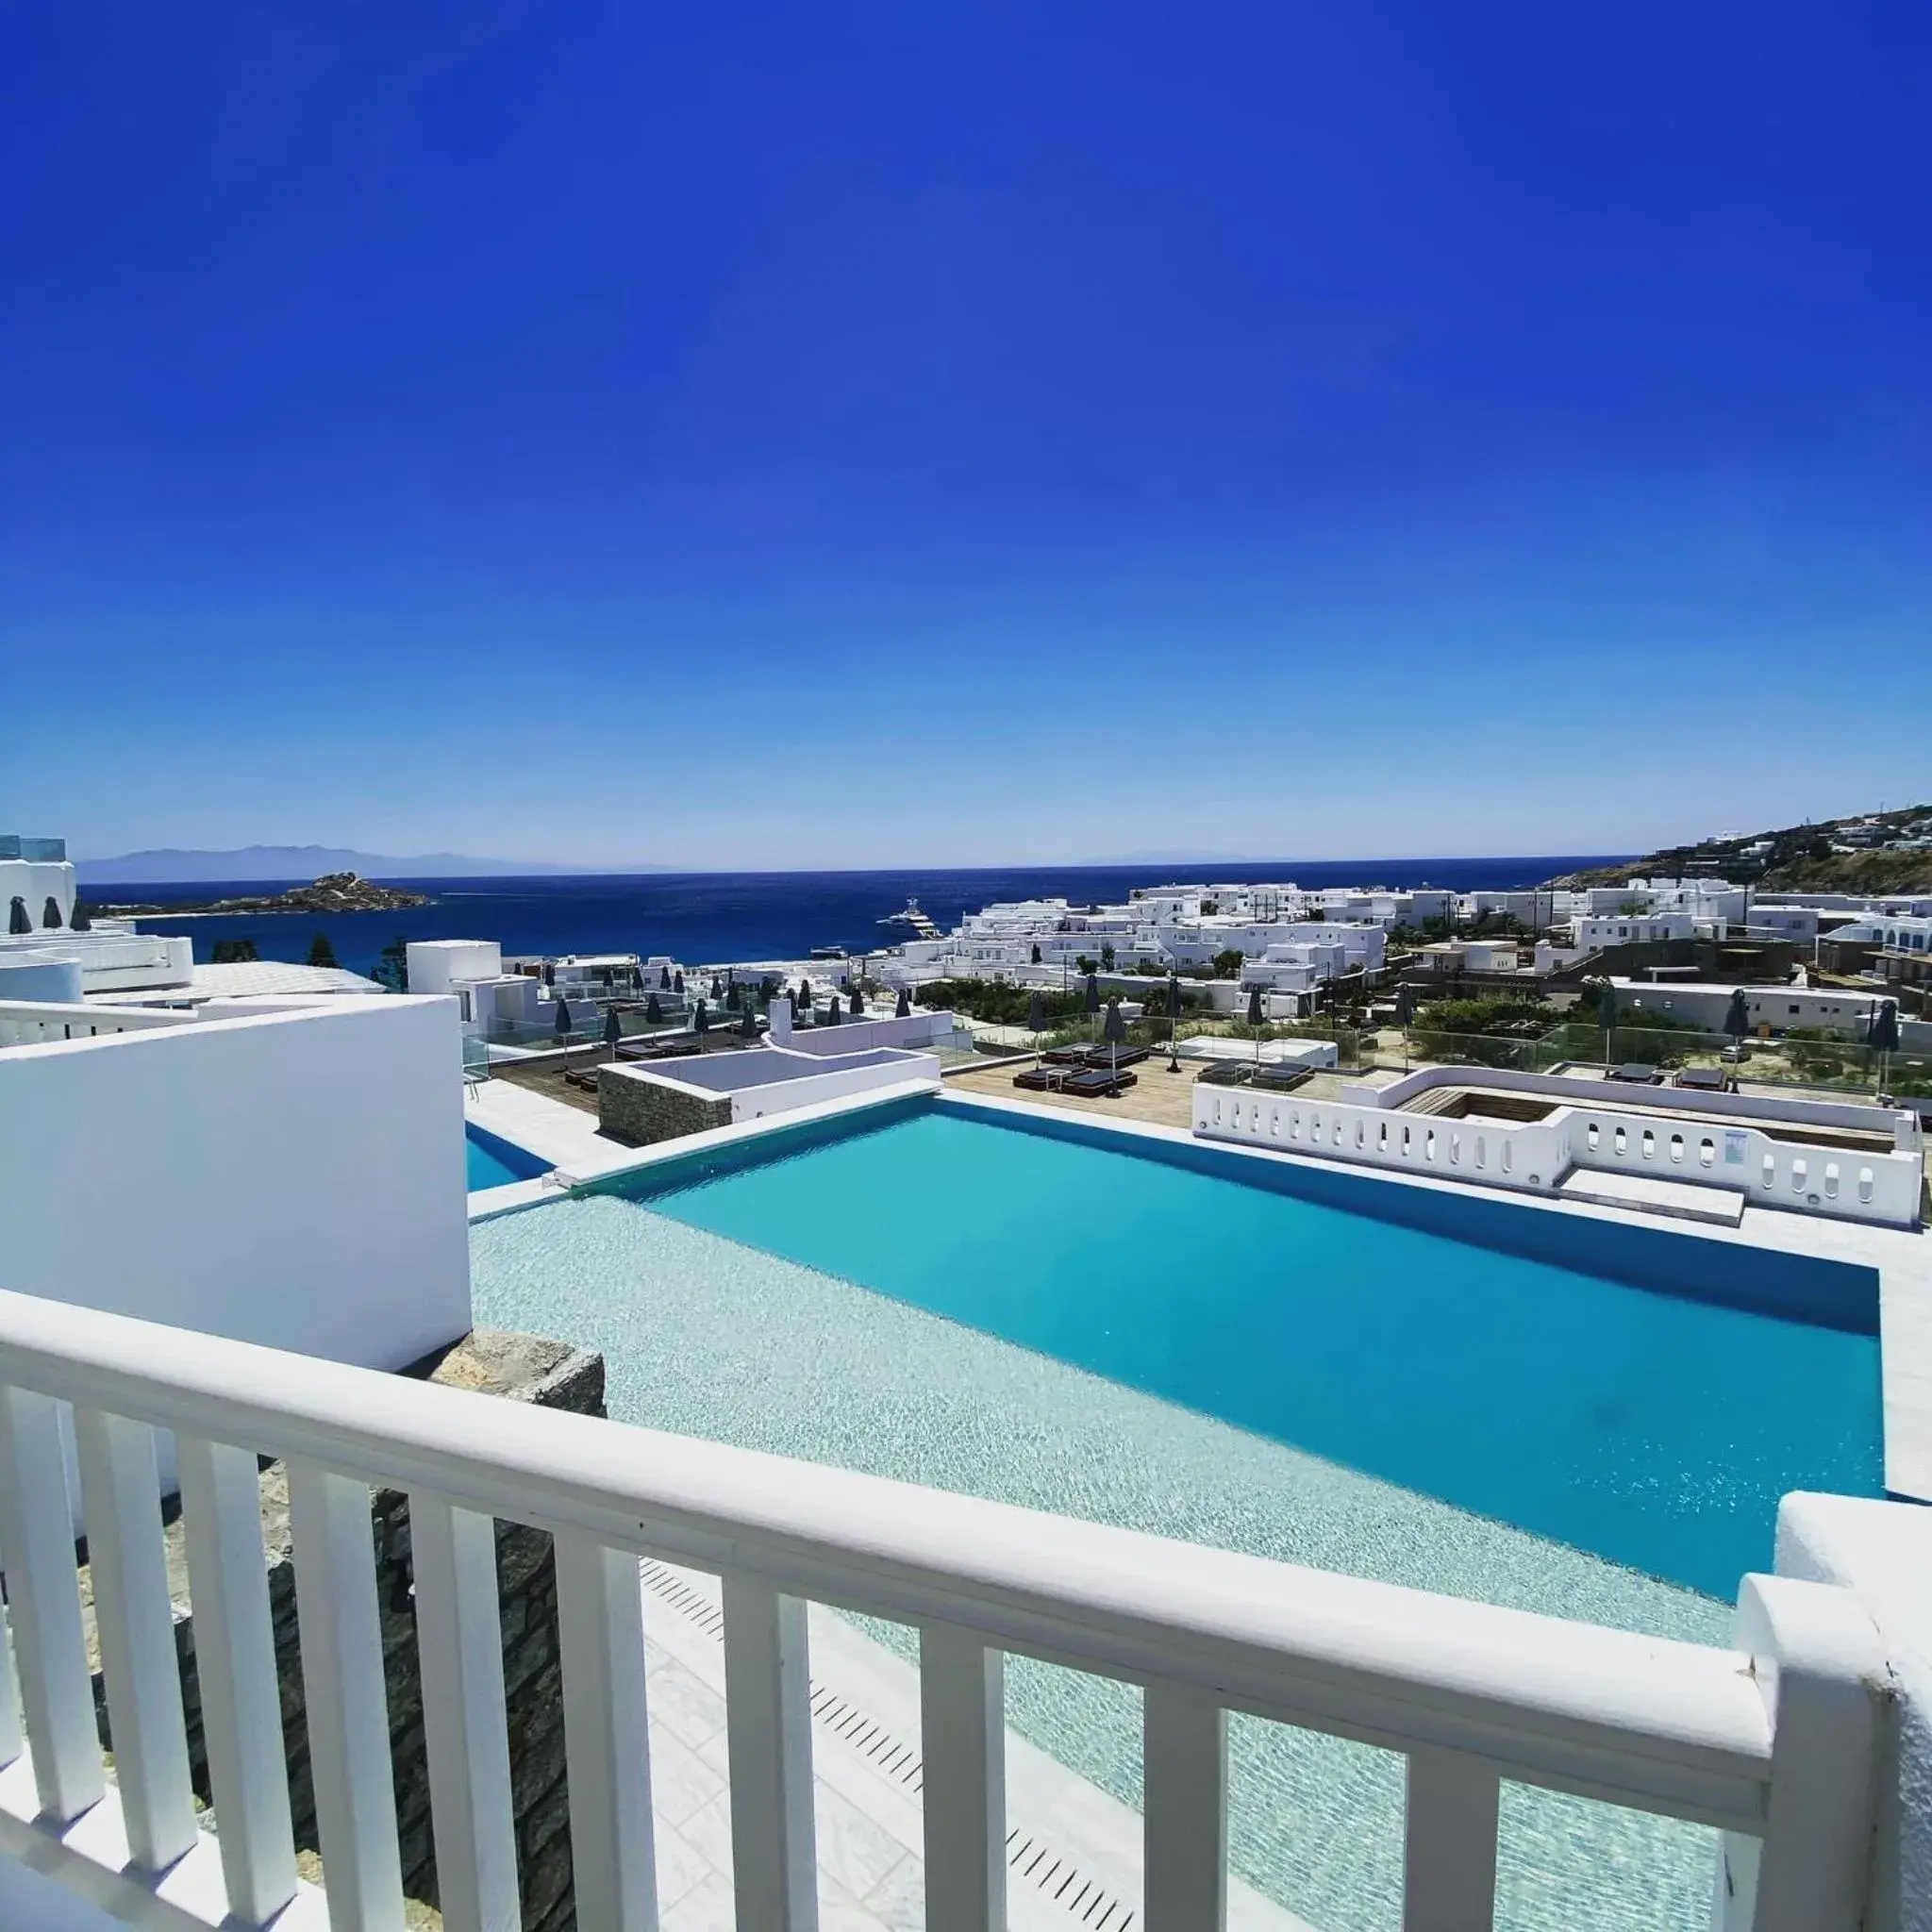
(703, 918)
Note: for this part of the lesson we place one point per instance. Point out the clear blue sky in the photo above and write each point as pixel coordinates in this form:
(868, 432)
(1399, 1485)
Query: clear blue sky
(866, 434)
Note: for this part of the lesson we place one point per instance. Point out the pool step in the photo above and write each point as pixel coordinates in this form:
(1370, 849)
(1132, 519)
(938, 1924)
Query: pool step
(1650, 1194)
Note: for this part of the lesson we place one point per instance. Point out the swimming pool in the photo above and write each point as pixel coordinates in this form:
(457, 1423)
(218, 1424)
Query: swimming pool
(496, 1162)
(842, 1292)
(1644, 1396)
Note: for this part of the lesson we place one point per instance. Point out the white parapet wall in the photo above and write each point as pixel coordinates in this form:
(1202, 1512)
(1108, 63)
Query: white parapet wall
(1534, 1156)
(294, 1179)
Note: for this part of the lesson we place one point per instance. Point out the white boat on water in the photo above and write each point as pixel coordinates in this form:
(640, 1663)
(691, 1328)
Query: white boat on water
(914, 921)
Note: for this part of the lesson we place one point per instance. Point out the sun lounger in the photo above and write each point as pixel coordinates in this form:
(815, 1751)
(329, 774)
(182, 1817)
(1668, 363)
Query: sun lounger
(1281, 1079)
(1636, 1074)
(1041, 1079)
(1096, 1083)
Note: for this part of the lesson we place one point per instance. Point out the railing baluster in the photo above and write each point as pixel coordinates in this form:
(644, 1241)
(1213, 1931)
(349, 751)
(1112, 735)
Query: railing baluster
(459, 1648)
(344, 1694)
(963, 1753)
(12, 1743)
(768, 1731)
(1449, 1861)
(44, 1590)
(121, 1484)
(606, 1739)
(1184, 1776)
(235, 1659)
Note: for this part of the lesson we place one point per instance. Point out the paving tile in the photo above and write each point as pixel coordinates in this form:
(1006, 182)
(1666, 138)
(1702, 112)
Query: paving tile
(681, 1701)
(681, 1781)
(708, 1906)
(852, 1848)
(681, 1867)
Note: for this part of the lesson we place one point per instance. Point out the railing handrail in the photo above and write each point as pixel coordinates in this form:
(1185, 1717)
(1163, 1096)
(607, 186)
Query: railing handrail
(1645, 1721)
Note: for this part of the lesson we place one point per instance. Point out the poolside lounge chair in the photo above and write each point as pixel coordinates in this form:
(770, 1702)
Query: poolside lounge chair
(1097, 1083)
(1041, 1079)
(1704, 1079)
(1065, 1056)
(1280, 1079)
(1116, 1056)
(1636, 1074)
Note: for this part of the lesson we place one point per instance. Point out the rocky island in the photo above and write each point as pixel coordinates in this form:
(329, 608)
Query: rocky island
(334, 891)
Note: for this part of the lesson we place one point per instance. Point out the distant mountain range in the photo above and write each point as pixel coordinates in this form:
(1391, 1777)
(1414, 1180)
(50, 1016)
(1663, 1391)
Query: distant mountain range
(266, 864)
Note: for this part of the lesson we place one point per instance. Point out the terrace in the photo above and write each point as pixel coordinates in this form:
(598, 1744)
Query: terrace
(735, 1740)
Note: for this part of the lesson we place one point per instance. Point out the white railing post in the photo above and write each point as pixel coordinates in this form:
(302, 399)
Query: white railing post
(43, 1594)
(600, 1621)
(768, 1741)
(120, 1482)
(344, 1697)
(235, 1661)
(465, 1725)
(1184, 1780)
(1449, 1857)
(962, 1734)
(1821, 1668)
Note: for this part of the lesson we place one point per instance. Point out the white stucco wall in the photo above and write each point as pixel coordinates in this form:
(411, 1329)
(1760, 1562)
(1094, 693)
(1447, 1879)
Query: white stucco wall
(296, 1179)
(1883, 1553)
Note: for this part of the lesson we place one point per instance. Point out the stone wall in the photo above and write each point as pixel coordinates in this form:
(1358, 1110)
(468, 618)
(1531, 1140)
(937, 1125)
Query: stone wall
(518, 1368)
(633, 1107)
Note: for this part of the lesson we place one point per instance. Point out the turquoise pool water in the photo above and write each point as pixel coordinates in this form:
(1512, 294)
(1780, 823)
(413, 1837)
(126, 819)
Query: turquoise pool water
(708, 1328)
(494, 1162)
(1652, 1426)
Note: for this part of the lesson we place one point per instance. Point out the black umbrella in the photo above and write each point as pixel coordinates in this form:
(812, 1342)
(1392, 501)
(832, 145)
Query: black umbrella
(833, 1015)
(17, 919)
(748, 1025)
(717, 988)
(855, 1003)
(613, 1029)
(1114, 1031)
(1173, 1023)
(562, 1016)
(1738, 1014)
(805, 996)
(1035, 1011)
(1091, 993)
(678, 982)
(82, 920)
(50, 912)
(653, 1011)
(1607, 1017)
(663, 979)
(904, 1009)
(731, 996)
(1882, 1037)
(1255, 1016)
(700, 1019)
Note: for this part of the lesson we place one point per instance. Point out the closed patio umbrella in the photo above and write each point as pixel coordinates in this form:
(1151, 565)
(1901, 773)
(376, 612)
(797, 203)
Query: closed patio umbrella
(748, 1021)
(904, 1009)
(82, 920)
(1256, 1018)
(1738, 1014)
(1607, 1016)
(855, 1005)
(1173, 1023)
(700, 1019)
(1114, 1031)
(561, 1016)
(613, 1030)
(50, 913)
(663, 979)
(678, 982)
(1036, 1014)
(1883, 1038)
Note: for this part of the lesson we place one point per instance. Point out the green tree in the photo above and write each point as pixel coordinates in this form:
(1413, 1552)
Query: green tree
(1229, 962)
(1107, 956)
(233, 953)
(321, 952)
(393, 968)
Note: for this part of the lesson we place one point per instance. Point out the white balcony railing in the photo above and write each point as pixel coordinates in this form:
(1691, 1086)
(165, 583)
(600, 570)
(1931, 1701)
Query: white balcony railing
(37, 1022)
(1777, 1742)
(1880, 1187)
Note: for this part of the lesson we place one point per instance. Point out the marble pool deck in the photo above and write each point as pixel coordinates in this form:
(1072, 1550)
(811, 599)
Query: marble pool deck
(1073, 1852)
